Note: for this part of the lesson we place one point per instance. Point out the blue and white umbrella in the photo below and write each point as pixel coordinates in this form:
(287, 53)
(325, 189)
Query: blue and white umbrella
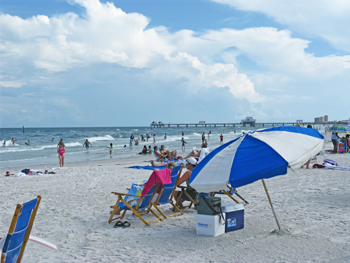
(256, 155)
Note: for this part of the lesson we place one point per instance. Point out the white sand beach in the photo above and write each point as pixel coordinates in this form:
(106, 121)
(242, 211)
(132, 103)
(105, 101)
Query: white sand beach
(312, 206)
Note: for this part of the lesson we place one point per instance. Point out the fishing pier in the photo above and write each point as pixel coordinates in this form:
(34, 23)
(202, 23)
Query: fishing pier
(239, 124)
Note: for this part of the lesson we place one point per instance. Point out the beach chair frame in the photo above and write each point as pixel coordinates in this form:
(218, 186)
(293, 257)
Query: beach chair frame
(29, 207)
(230, 192)
(137, 210)
(170, 196)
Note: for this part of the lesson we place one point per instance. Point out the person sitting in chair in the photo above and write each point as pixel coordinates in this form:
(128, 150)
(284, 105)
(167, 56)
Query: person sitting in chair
(191, 163)
(160, 155)
(171, 155)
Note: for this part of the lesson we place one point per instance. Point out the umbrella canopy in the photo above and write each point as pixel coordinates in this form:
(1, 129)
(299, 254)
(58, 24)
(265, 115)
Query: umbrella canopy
(256, 155)
(338, 127)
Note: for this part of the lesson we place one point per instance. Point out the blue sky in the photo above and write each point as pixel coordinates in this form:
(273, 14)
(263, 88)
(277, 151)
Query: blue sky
(131, 62)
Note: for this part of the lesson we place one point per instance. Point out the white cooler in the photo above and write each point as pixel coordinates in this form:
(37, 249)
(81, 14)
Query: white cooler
(210, 225)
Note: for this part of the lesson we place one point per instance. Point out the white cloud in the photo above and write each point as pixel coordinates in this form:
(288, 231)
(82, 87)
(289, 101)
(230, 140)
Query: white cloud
(107, 34)
(318, 18)
(11, 84)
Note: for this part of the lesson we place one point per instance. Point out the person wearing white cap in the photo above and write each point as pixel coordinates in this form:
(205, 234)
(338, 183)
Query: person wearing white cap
(190, 164)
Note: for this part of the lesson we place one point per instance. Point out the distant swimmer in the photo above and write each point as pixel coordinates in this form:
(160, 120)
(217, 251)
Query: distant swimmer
(53, 139)
(154, 138)
(87, 144)
(165, 136)
(13, 141)
(221, 138)
(27, 143)
(4, 143)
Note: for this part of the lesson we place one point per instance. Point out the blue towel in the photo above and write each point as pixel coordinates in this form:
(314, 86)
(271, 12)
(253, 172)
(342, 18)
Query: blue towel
(148, 167)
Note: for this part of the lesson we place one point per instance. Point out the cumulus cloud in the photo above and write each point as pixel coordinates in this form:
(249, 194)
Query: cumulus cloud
(11, 84)
(318, 18)
(108, 34)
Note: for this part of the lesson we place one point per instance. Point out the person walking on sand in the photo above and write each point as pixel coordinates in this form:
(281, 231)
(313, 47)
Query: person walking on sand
(87, 144)
(61, 152)
(221, 138)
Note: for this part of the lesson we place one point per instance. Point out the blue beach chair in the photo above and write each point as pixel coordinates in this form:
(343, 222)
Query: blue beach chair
(141, 207)
(20, 228)
(167, 193)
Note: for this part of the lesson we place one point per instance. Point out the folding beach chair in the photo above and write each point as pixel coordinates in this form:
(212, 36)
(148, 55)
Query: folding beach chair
(230, 192)
(186, 196)
(167, 193)
(157, 158)
(341, 147)
(141, 207)
(20, 228)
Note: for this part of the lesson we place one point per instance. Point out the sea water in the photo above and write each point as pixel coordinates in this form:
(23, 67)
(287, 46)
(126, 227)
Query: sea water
(42, 150)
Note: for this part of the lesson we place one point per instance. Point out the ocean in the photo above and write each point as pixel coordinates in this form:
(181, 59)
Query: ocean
(42, 150)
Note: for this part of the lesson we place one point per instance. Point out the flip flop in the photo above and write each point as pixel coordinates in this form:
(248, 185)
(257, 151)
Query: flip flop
(126, 224)
(119, 224)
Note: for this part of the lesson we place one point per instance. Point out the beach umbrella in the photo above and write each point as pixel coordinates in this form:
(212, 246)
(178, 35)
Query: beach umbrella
(338, 127)
(256, 155)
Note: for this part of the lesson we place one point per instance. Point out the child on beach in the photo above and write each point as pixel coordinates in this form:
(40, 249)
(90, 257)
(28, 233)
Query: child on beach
(110, 148)
(61, 152)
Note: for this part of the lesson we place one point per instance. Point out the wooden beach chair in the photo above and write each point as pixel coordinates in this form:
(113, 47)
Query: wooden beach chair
(230, 192)
(20, 228)
(167, 193)
(142, 207)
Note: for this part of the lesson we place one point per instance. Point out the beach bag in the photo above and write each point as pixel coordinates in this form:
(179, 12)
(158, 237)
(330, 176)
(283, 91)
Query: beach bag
(330, 162)
(209, 205)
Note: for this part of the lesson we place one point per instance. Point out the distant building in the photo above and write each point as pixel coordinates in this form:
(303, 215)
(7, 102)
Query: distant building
(321, 119)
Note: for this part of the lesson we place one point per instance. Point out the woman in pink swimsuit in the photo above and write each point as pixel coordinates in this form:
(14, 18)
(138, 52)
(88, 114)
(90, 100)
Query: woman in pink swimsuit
(61, 152)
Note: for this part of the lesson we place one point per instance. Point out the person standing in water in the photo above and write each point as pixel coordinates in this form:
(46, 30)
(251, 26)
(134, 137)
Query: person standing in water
(221, 138)
(183, 144)
(154, 138)
(165, 136)
(110, 148)
(61, 152)
(13, 141)
(87, 144)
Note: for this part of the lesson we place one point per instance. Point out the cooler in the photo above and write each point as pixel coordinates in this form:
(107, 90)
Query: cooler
(234, 216)
(209, 225)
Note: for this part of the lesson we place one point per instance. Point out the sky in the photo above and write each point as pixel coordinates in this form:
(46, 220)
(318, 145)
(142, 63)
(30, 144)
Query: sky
(91, 63)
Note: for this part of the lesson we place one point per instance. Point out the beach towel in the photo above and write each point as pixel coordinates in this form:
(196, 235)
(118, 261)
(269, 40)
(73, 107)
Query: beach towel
(342, 168)
(157, 177)
(135, 189)
(148, 167)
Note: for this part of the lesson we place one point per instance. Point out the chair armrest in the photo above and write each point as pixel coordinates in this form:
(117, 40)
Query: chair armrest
(116, 193)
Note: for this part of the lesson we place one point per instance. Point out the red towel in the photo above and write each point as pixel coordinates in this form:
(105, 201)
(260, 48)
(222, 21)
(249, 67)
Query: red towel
(161, 177)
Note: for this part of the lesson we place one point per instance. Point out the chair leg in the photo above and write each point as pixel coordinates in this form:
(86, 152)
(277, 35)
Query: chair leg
(245, 201)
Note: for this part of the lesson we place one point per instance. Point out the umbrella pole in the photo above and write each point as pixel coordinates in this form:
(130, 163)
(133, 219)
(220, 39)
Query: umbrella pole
(273, 210)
